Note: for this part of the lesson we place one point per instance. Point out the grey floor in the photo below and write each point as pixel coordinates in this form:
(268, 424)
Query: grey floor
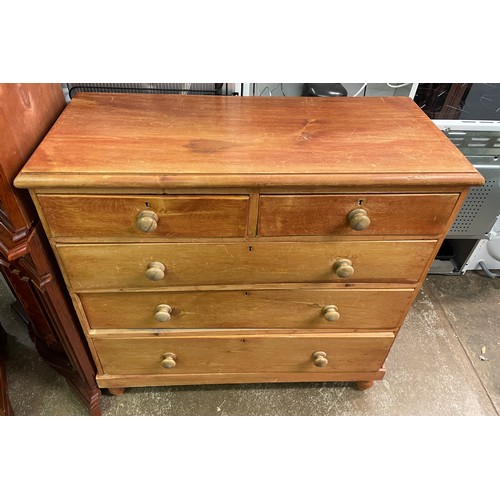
(434, 368)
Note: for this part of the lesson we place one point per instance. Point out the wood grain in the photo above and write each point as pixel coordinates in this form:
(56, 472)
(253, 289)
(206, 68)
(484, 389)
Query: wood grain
(27, 111)
(207, 332)
(270, 354)
(401, 214)
(170, 378)
(252, 197)
(124, 265)
(108, 216)
(359, 309)
(189, 141)
(36, 283)
(5, 406)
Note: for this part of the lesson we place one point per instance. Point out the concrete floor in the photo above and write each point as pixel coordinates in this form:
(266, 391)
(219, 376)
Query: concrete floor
(434, 368)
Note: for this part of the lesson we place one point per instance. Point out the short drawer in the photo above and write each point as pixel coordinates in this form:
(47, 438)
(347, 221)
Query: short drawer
(153, 265)
(309, 215)
(381, 309)
(144, 217)
(350, 352)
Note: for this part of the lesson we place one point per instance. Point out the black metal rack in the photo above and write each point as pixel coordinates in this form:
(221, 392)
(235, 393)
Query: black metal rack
(149, 88)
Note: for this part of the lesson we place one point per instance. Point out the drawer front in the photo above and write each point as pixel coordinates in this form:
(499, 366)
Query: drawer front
(350, 352)
(380, 309)
(123, 216)
(151, 265)
(310, 215)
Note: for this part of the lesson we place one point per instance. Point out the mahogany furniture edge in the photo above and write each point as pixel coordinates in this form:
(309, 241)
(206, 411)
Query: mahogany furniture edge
(27, 113)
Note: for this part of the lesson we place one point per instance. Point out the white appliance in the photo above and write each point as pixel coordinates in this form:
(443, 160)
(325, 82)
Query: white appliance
(486, 254)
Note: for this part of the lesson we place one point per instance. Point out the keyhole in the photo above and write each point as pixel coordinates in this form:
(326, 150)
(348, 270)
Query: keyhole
(147, 204)
(360, 202)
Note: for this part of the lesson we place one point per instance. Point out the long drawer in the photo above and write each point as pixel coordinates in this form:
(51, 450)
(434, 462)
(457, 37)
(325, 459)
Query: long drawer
(151, 265)
(141, 217)
(380, 309)
(350, 352)
(388, 214)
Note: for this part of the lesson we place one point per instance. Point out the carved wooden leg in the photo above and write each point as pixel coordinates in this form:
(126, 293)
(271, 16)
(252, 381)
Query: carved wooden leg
(95, 411)
(362, 385)
(116, 391)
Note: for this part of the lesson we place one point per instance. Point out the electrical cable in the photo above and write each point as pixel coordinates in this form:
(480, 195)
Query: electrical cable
(271, 91)
(487, 271)
(360, 90)
(398, 86)
(277, 87)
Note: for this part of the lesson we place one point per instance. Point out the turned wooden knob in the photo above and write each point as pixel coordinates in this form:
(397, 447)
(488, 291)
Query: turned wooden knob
(331, 313)
(343, 268)
(358, 219)
(320, 359)
(168, 360)
(147, 221)
(155, 271)
(162, 312)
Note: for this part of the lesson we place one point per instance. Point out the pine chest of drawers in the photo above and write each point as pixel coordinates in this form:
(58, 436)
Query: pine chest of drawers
(232, 239)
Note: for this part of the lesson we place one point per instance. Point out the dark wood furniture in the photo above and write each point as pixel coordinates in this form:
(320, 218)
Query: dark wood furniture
(5, 407)
(27, 111)
(233, 240)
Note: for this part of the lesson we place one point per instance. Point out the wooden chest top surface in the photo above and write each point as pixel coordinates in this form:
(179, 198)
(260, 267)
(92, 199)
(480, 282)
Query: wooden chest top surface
(119, 140)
